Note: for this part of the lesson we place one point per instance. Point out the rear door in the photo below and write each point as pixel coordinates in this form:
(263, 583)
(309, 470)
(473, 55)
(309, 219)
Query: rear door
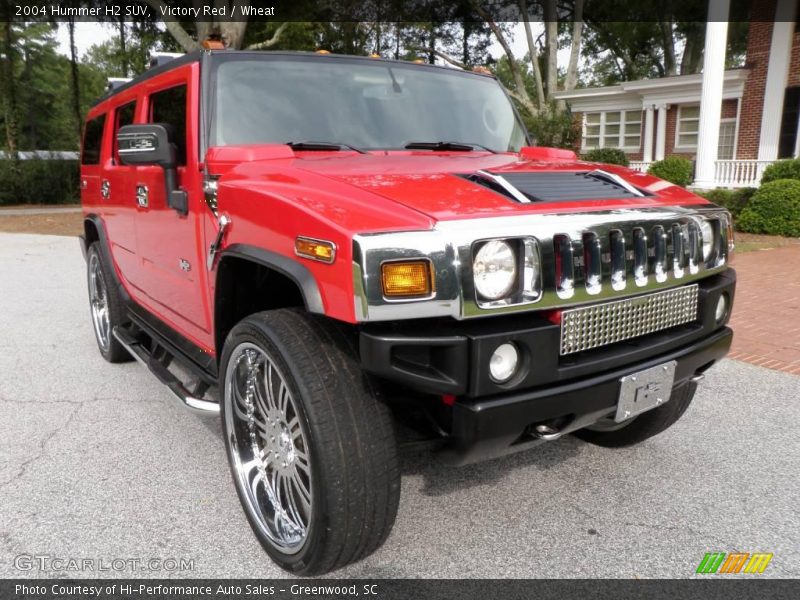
(91, 165)
(169, 245)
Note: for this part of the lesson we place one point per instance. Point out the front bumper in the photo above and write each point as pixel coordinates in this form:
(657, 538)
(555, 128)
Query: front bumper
(490, 427)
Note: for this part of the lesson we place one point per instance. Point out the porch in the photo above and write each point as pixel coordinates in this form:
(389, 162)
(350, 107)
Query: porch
(727, 173)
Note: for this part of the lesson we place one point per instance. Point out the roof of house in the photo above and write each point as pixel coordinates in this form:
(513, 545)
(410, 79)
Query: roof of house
(678, 89)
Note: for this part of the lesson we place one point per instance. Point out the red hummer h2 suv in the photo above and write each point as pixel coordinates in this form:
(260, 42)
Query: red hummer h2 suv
(336, 253)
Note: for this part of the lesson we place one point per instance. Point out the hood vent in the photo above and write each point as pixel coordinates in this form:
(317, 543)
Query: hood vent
(557, 186)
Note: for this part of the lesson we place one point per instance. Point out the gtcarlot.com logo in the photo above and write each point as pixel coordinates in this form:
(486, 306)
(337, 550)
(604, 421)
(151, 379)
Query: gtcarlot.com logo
(735, 562)
(48, 563)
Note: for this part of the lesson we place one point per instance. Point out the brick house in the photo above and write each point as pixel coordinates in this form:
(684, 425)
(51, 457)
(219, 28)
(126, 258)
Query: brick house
(752, 113)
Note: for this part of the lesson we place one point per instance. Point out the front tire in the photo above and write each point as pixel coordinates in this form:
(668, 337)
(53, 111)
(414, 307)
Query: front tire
(606, 433)
(106, 306)
(311, 448)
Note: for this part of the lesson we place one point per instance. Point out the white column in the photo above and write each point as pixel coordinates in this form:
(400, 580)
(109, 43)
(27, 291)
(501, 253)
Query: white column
(711, 92)
(647, 152)
(777, 72)
(661, 131)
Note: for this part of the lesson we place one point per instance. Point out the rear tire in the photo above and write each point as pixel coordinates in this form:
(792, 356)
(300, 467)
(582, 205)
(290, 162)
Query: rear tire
(106, 306)
(299, 413)
(645, 425)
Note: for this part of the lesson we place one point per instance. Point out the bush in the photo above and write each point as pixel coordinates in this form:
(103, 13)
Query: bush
(610, 156)
(39, 181)
(553, 129)
(733, 200)
(782, 169)
(675, 169)
(773, 209)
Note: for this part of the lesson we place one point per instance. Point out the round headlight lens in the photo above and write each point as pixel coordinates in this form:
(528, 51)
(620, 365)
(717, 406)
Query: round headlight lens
(494, 269)
(707, 233)
(503, 363)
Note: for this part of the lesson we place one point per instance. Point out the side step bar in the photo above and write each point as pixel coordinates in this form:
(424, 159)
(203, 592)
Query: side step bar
(184, 396)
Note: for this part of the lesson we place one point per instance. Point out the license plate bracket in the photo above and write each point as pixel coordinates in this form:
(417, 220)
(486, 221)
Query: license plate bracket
(645, 390)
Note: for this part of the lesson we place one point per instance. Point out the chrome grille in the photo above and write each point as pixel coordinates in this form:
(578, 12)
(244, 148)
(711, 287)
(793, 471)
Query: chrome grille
(601, 324)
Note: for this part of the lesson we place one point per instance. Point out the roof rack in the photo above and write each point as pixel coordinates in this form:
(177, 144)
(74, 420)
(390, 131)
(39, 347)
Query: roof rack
(160, 58)
(112, 83)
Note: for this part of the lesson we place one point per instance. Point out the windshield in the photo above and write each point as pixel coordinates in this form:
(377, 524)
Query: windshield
(367, 105)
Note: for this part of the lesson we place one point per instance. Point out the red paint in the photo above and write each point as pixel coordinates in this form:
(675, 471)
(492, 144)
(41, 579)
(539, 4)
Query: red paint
(448, 399)
(273, 194)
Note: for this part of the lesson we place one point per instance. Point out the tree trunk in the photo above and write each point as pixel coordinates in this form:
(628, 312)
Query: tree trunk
(571, 79)
(432, 44)
(551, 46)
(667, 35)
(75, 80)
(520, 93)
(123, 48)
(534, 55)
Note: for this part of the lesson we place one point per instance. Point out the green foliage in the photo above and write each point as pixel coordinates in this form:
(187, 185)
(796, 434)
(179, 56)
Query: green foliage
(733, 200)
(675, 169)
(611, 156)
(774, 209)
(782, 169)
(39, 181)
(554, 129)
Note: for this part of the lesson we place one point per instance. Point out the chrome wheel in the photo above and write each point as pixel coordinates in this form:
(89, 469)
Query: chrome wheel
(269, 448)
(98, 299)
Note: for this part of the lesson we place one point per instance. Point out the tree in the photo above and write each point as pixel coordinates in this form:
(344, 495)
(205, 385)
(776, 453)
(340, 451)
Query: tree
(232, 33)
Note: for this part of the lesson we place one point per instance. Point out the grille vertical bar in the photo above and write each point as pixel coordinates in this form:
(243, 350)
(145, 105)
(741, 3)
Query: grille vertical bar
(640, 271)
(659, 253)
(565, 266)
(592, 263)
(618, 260)
(678, 251)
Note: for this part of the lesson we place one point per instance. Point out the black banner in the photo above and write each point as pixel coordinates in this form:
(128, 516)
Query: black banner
(366, 10)
(382, 589)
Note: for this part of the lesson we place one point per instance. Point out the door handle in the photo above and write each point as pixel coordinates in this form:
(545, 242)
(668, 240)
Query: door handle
(142, 196)
(105, 189)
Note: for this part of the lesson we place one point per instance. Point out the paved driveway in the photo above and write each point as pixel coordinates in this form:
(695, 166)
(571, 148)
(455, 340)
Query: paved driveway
(97, 462)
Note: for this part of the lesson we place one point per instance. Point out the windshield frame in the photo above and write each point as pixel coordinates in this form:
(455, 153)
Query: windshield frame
(216, 58)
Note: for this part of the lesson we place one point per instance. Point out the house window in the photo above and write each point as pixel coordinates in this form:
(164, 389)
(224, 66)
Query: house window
(613, 129)
(727, 139)
(688, 124)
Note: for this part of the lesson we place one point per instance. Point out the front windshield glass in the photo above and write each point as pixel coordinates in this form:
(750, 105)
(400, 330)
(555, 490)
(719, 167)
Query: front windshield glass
(367, 105)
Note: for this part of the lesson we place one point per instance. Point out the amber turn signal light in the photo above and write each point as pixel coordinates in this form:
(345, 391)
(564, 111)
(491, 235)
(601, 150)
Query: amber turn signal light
(407, 279)
(315, 249)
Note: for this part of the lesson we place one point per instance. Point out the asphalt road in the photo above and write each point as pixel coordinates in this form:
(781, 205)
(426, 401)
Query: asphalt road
(97, 462)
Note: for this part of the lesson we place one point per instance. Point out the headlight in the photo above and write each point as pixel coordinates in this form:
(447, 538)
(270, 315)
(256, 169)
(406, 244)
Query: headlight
(707, 235)
(494, 269)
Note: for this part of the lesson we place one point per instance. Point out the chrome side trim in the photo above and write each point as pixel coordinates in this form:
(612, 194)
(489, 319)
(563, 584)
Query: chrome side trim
(646, 248)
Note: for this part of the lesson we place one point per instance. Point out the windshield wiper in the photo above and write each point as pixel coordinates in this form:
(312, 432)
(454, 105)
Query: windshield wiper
(445, 146)
(322, 146)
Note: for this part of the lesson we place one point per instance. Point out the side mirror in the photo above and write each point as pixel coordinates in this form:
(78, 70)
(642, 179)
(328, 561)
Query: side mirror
(153, 144)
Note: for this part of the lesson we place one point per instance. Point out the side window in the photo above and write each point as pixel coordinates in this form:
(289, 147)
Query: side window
(123, 116)
(93, 140)
(169, 106)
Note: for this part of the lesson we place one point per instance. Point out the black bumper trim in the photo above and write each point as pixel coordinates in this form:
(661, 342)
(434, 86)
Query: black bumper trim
(490, 427)
(452, 357)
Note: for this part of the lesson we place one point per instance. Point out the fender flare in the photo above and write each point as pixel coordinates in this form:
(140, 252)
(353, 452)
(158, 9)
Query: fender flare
(292, 269)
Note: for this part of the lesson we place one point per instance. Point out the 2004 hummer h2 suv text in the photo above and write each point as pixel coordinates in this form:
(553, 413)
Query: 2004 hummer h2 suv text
(334, 252)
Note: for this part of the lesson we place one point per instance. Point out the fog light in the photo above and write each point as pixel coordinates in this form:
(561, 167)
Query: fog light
(503, 363)
(722, 308)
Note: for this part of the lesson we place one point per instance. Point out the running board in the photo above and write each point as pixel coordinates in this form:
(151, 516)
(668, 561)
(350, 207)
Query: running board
(184, 396)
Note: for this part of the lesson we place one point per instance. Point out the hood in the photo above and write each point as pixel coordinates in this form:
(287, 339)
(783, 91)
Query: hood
(460, 185)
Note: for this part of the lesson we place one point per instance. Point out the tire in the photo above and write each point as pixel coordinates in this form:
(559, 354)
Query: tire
(325, 441)
(105, 306)
(645, 425)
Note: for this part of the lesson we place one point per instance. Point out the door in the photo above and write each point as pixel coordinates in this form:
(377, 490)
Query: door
(119, 204)
(169, 245)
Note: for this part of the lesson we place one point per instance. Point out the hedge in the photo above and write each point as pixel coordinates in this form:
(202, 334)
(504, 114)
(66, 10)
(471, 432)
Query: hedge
(774, 209)
(675, 169)
(782, 169)
(39, 181)
(733, 200)
(611, 156)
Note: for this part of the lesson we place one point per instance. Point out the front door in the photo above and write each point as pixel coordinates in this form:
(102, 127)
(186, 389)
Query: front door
(169, 245)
